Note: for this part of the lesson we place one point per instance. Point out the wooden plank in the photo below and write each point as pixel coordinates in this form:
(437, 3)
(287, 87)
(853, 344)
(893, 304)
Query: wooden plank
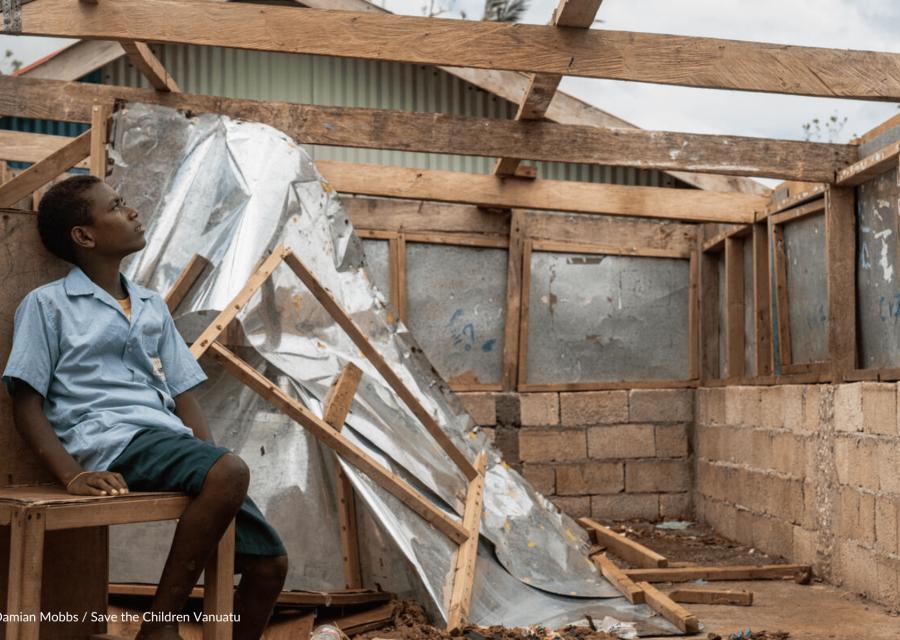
(394, 216)
(779, 266)
(840, 266)
(121, 510)
(598, 249)
(694, 316)
(869, 167)
(709, 318)
(40, 173)
(254, 282)
(148, 64)
(340, 396)
(14, 572)
(362, 343)
(576, 13)
(695, 595)
(616, 55)
(21, 146)
(734, 308)
(625, 548)
(458, 239)
(442, 133)
(75, 61)
(397, 274)
(671, 611)
(737, 572)
(633, 593)
(514, 296)
(604, 385)
(523, 315)
(341, 598)
(802, 211)
(762, 307)
(464, 565)
(717, 242)
(186, 279)
(386, 479)
(795, 200)
(218, 596)
(100, 115)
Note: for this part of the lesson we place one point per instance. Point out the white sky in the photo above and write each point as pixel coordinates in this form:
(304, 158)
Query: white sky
(849, 24)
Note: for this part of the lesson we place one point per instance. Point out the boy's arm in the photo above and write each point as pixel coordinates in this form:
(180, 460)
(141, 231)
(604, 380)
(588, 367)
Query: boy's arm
(188, 409)
(35, 429)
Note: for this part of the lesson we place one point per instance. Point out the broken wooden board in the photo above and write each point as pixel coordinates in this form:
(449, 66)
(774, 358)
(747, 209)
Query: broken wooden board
(619, 580)
(670, 610)
(737, 572)
(697, 595)
(627, 549)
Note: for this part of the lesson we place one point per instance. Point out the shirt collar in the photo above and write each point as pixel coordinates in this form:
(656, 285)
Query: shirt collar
(78, 284)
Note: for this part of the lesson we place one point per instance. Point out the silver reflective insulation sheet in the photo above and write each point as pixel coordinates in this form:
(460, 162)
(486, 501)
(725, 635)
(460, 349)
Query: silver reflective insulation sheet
(232, 191)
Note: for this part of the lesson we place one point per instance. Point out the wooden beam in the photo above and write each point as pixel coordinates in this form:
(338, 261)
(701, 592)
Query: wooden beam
(21, 146)
(514, 297)
(696, 595)
(734, 307)
(709, 317)
(40, 173)
(386, 479)
(362, 343)
(625, 548)
(694, 315)
(869, 167)
(185, 281)
(75, 61)
(737, 572)
(149, 65)
(541, 87)
(441, 133)
(464, 565)
(782, 295)
(616, 55)
(100, 115)
(670, 610)
(633, 593)
(840, 267)
(337, 406)
(762, 305)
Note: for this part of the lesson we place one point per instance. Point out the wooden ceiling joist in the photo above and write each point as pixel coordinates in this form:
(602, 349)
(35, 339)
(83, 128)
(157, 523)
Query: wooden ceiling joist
(569, 13)
(641, 57)
(444, 134)
(689, 205)
(149, 65)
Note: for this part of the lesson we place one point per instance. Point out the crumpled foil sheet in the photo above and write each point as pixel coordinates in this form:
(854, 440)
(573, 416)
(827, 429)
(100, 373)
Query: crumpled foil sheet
(232, 191)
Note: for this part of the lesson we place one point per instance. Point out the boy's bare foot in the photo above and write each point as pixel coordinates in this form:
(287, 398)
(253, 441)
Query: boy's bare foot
(158, 631)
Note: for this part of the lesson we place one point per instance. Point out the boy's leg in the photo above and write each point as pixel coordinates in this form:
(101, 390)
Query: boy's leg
(262, 578)
(196, 536)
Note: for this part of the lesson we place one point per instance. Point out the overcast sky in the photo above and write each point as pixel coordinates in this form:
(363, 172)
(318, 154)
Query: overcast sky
(847, 24)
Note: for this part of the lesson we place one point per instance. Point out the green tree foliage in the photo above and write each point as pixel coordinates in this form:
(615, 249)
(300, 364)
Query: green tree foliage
(504, 10)
(8, 61)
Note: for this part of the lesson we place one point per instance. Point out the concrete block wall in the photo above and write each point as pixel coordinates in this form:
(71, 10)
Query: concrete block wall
(807, 472)
(606, 454)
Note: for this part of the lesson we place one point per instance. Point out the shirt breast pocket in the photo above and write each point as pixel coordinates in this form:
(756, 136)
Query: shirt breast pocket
(151, 333)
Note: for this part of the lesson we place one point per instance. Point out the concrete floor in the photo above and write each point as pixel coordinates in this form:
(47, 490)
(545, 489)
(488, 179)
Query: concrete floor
(813, 612)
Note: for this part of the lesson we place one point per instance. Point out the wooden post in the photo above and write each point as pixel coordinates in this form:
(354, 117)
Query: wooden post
(397, 269)
(218, 588)
(522, 372)
(466, 555)
(762, 301)
(25, 572)
(840, 239)
(734, 308)
(709, 317)
(779, 276)
(694, 316)
(337, 406)
(100, 114)
(513, 298)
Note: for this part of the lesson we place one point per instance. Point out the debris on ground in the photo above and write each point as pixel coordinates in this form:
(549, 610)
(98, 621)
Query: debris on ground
(751, 635)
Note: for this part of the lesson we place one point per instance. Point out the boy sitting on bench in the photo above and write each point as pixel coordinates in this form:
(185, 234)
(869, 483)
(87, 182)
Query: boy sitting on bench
(101, 379)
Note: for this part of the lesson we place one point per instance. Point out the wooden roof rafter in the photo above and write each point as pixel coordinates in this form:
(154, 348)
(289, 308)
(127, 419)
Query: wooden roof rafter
(542, 86)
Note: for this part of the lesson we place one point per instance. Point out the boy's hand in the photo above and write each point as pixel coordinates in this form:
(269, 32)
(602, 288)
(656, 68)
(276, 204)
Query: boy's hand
(97, 483)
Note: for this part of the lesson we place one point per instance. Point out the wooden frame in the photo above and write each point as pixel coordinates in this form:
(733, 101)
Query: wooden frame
(532, 245)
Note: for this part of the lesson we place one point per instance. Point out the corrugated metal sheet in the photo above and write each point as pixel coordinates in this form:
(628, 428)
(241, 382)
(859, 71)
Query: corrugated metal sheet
(346, 82)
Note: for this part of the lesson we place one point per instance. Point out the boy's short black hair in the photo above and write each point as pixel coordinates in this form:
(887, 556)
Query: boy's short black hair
(62, 208)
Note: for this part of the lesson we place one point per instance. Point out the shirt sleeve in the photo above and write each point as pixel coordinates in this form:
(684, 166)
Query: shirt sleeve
(182, 371)
(35, 348)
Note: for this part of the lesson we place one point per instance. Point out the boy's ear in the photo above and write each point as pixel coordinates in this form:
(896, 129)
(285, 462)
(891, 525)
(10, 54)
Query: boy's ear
(83, 237)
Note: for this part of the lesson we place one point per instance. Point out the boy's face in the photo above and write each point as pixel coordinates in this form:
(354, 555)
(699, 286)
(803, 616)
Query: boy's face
(116, 229)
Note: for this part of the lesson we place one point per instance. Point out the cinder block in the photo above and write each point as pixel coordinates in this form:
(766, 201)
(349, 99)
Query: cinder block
(481, 406)
(856, 520)
(539, 409)
(540, 476)
(708, 442)
(661, 405)
(887, 588)
(671, 441)
(743, 527)
(848, 407)
(625, 506)
(762, 450)
(864, 463)
(552, 445)
(675, 506)
(742, 406)
(507, 409)
(809, 519)
(887, 531)
(792, 407)
(574, 507)
(857, 568)
(771, 407)
(812, 399)
(668, 476)
(774, 536)
(721, 516)
(593, 407)
(737, 444)
(589, 477)
(710, 406)
(887, 453)
(804, 546)
(507, 440)
(879, 402)
(621, 441)
(789, 454)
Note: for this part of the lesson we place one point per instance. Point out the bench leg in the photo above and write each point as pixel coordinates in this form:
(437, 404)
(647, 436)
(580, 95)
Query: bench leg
(218, 588)
(26, 563)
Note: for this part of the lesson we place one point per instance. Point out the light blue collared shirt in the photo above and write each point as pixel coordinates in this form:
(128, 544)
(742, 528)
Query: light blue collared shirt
(102, 376)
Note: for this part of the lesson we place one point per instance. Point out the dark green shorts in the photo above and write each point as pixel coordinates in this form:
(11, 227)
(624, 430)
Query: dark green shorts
(162, 460)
